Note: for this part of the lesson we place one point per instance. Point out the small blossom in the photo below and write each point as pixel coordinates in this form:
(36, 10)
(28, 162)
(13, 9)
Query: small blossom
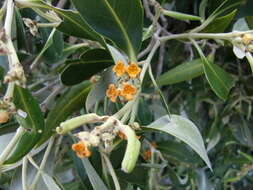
(81, 149)
(112, 92)
(133, 70)
(247, 39)
(128, 91)
(119, 68)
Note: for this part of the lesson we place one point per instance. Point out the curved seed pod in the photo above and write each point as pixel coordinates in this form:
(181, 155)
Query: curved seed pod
(132, 150)
(75, 122)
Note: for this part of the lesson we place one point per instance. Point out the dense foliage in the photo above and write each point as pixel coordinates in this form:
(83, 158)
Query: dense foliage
(126, 94)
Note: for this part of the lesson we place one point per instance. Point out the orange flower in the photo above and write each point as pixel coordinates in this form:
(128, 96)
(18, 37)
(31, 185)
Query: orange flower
(128, 91)
(147, 155)
(119, 68)
(81, 150)
(112, 92)
(133, 70)
(123, 136)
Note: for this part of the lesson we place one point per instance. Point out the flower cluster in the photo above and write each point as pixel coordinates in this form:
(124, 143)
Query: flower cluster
(81, 149)
(126, 84)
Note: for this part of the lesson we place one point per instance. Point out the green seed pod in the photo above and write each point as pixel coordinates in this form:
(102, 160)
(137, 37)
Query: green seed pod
(73, 123)
(132, 150)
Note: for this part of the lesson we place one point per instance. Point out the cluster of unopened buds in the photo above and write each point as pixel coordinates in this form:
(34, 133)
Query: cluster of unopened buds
(128, 81)
(17, 75)
(243, 44)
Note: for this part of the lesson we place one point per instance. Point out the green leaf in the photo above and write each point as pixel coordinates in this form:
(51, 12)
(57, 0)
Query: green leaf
(28, 114)
(89, 64)
(30, 117)
(220, 24)
(138, 176)
(94, 178)
(48, 43)
(220, 81)
(122, 21)
(23, 147)
(21, 37)
(176, 150)
(54, 52)
(72, 24)
(183, 72)
(71, 101)
(184, 130)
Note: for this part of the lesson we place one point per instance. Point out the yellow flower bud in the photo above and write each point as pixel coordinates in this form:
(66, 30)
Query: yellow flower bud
(4, 116)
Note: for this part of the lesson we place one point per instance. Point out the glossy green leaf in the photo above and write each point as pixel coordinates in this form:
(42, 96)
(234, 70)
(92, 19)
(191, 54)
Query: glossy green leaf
(139, 176)
(28, 114)
(89, 64)
(24, 146)
(220, 24)
(20, 31)
(220, 81)
(72, 24)
(30, 117)
(183, 72)
(184, 130)
(54, 52)
(177, 151)
(71, 101)
(122, 21)
(48, 43)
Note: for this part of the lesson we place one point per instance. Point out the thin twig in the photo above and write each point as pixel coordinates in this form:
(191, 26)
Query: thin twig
(24, 173)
